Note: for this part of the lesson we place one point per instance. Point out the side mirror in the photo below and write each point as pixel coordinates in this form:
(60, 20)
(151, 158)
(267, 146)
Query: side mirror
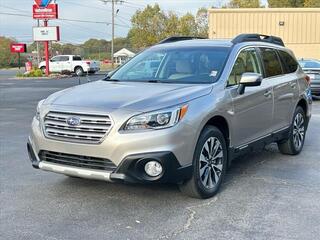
(249, 79)
(109, 74)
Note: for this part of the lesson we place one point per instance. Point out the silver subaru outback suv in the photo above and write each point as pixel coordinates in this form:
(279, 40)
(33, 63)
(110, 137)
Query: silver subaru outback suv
(178, 112)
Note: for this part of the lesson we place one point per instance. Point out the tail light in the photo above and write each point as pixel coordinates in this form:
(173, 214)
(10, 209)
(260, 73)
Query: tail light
(307, 78)
(88, 63)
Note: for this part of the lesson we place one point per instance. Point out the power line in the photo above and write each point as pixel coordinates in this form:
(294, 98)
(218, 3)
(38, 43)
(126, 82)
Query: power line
(121, 20)
(113, 2)
(130, 6)
(15, 14)
(15, 9)
(83, 5)
(65, 19)
(86, 28)
(136, 5)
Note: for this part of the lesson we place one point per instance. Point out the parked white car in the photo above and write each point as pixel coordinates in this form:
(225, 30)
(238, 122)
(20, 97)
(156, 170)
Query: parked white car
(71, 63)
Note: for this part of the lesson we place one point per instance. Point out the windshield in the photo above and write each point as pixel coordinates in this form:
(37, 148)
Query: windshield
(179, 65)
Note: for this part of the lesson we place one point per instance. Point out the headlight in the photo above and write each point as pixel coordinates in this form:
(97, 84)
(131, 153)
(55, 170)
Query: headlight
(157, 120)
(38, 109)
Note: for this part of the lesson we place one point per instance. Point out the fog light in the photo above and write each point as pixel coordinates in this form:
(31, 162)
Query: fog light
(153, 168)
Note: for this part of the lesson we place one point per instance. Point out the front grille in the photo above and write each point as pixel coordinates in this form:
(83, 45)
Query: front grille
(91, 129)
(77, 160)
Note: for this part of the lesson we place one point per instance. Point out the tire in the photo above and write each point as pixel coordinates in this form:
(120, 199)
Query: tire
(79, 71)
(43, 69)
(207, 173)
(294, 143)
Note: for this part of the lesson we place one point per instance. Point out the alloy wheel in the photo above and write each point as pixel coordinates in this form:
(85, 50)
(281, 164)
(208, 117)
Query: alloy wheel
(298, 131)
(211, 162)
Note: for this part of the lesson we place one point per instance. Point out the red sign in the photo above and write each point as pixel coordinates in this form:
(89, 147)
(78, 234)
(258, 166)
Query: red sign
(49, 12)
(18, 48)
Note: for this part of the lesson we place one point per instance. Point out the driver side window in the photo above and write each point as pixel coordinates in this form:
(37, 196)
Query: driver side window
(247, 61)
(55, 59)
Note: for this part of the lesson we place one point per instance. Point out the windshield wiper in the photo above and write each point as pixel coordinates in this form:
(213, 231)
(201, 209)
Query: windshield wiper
(111, 80)
(154, 81)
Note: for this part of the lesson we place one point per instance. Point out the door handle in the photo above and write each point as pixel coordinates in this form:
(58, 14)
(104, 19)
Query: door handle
(293, 84)
(268, 93)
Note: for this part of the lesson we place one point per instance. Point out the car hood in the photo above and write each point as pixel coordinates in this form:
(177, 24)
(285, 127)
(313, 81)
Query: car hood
(135, 96)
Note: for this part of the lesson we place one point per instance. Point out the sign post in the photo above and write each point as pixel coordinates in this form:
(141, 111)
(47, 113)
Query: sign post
(45, 10)
(46, 50)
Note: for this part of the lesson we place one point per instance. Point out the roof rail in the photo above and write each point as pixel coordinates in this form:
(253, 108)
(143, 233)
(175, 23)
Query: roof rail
(255, 37)
(178, 38)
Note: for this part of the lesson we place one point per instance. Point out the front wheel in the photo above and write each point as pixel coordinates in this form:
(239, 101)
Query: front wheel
(209, 165)
(294, 143)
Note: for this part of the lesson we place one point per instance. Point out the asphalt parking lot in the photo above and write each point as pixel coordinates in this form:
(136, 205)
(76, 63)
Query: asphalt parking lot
(266, 195)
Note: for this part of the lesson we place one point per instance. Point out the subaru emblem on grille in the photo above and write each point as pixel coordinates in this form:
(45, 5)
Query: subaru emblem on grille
(73, 121)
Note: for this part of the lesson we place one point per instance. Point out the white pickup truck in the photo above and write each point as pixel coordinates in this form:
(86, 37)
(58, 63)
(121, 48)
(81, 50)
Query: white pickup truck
(71, 63)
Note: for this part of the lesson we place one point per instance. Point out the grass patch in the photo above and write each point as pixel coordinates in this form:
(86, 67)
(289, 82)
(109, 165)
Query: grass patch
(33, 73)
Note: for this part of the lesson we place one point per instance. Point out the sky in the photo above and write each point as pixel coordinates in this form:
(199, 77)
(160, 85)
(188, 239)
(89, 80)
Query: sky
(20, 27)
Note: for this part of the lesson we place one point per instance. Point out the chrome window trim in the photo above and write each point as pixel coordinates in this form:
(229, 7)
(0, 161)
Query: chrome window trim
(254, 46)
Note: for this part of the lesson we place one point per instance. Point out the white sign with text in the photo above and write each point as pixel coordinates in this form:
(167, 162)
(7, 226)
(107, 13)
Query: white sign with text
(46, 34)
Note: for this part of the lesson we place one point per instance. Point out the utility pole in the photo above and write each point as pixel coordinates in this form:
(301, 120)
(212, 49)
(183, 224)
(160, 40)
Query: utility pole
(113, 2)
(38, 49)
(46, 50)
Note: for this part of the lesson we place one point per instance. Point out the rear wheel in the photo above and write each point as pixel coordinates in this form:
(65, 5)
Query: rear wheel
(79, 71)
(209, 165)
(43, 69)
(294, 144)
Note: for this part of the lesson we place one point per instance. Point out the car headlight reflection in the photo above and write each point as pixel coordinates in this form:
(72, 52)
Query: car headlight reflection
(157, 120)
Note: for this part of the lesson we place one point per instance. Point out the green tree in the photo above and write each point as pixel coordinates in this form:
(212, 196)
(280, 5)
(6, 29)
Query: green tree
(187, 25)
(244, 4)
(312, 3)
(172, 24)
(202, 22)
(285, 3)
(148, 26)
(151, 25)
(7, 59)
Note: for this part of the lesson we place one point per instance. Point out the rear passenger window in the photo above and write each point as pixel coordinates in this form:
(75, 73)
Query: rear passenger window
(271, 62)
(76, 58)
(289, 63)
(64, 59)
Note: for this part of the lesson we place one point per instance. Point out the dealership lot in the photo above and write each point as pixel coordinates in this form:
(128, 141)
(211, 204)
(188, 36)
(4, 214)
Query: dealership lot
(266, 195)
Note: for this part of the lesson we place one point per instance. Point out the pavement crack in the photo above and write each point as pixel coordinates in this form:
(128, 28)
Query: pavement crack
(191, 216)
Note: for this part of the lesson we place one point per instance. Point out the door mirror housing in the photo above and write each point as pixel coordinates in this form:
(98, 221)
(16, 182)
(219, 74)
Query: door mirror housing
(249, 79)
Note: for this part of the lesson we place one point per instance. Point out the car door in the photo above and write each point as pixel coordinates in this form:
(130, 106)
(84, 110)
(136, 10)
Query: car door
(53, 64)
(65, 63)
(74, 61)
(60, 63)
(252, 111)
(285, 91)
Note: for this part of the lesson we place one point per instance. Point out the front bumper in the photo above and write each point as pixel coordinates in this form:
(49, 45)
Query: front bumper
(315, 87)
(128, 152)
(131, 169)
